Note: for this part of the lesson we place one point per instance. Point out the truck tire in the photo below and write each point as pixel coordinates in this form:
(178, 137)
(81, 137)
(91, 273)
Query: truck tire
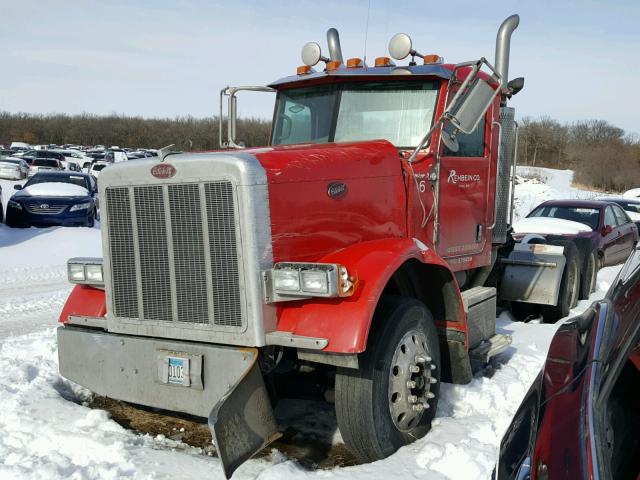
(377, 404)
(569, 285)
(590, 269)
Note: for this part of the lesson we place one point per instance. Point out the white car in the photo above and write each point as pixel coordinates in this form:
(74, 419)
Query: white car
(44, 164)
(13, 168)
(97, 167)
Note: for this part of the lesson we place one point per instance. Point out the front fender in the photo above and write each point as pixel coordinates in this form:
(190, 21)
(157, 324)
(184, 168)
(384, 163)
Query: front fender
(84, 301)
(345, 322)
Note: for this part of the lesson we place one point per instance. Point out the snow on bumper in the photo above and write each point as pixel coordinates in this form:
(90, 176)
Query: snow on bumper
(219, 382)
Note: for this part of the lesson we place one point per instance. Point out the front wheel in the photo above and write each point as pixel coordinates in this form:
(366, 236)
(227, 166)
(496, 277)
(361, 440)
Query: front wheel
(391, 399)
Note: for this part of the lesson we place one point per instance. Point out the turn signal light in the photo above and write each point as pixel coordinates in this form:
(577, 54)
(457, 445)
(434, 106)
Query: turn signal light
(331, 66)
(355, 63)
(384, 62)
(303, 69)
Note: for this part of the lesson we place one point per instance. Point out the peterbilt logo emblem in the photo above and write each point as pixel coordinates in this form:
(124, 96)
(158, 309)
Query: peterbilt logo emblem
(44, 206)
(337, 190)
(463, 178)
(164, 170)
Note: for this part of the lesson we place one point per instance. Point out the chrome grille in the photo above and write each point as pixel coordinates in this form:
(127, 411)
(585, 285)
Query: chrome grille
(122, 253)
(224, 255)
(188, 252)
(175, 248)
(154, 253)
(45, 208)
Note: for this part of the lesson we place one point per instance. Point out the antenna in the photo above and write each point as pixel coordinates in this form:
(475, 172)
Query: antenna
(366, 33)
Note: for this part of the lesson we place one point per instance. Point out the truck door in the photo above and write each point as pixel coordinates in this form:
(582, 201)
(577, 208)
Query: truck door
(464, 196)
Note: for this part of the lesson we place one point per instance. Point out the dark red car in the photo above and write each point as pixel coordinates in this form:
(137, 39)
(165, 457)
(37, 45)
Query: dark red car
(601, 231)
(580, 418)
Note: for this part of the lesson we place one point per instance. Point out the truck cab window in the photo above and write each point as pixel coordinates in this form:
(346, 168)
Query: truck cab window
(471, 145)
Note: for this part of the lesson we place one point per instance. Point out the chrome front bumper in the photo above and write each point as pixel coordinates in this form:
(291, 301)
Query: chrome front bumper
(225, 383)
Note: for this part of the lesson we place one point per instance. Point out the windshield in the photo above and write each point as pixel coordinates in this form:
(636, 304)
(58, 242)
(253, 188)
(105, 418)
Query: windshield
(587, 216)
(79, 180)
(398, 111)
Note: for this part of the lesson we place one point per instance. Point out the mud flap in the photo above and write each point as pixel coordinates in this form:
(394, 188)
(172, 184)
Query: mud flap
(242, 422)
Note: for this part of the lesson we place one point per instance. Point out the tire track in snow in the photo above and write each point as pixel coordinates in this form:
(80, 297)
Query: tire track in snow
(31, 298)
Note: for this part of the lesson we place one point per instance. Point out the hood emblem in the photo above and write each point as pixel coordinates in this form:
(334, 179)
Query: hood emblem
(163, 170)
(44, 206)
(337, 190)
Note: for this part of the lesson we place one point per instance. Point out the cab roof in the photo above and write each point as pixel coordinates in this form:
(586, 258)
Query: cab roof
(435, 70)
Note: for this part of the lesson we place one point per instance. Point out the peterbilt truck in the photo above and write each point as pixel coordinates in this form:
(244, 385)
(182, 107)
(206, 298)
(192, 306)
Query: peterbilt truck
(370, 239)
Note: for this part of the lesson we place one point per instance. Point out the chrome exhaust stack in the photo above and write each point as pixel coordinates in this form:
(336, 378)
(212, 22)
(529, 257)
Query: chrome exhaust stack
(503, 46)
(335, 51)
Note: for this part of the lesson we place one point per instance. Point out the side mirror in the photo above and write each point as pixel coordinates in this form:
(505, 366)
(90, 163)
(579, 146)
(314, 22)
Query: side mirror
(17, 187)
(472, 106)
(606, 230)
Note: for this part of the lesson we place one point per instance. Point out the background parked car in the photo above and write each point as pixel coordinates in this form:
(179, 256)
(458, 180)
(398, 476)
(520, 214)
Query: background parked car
(13, 168)
(33, 154)
(631, 206)
(1, 207)
(54, 198)
(43, 164)
(97, 167)
(593, 233)
(580, 417)
(6, 153)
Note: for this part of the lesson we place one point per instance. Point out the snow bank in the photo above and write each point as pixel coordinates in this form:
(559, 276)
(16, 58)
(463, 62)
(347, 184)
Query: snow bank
(549, 226)
(633, 193)
(53, 189)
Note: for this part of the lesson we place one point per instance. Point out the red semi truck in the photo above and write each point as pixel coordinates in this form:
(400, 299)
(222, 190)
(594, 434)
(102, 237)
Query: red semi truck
(370, 239)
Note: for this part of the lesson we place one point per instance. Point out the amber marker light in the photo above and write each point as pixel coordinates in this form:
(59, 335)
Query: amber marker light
(303, 69)
(384, 62)
(428, 59)
(355, 63)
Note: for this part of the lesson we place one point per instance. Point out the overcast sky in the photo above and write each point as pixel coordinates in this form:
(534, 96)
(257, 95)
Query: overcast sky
(160, 58)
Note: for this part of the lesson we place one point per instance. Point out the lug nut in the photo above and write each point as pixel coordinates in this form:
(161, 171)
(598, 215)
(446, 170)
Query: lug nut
(433, 380)
(418, 407)
(411, 384)
(414, 368)
(412, 399)
(422, 359)
(430, 395)
(432, 366)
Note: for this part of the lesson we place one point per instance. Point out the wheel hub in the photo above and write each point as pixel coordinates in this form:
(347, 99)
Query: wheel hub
(410, 380)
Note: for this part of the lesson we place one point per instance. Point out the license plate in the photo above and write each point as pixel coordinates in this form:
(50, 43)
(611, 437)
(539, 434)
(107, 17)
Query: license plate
(177, 370)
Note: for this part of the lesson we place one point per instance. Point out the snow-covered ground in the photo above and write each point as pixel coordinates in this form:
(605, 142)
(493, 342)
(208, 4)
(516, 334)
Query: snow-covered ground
(48, 432)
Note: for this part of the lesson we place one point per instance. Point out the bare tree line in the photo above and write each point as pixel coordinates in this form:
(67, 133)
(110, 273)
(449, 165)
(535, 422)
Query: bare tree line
(601, 154)
(125, 131)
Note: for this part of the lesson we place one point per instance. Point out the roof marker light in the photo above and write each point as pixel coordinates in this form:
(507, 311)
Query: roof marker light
(430, 59)
(355, 63)
(303, 69)
(331, 66)
(384, 62)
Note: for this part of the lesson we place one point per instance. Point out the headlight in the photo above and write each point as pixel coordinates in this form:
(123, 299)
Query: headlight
(80, 206)
(87, 271)
(296, 280)
(288, 280)
(13, 204)
(314, 281)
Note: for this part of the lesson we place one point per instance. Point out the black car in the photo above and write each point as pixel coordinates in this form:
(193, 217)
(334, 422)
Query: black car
(54, 198)
(31, 155)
